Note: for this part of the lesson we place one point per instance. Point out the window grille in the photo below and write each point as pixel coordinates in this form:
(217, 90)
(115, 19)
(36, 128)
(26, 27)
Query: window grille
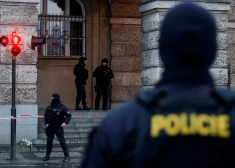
(65, 34)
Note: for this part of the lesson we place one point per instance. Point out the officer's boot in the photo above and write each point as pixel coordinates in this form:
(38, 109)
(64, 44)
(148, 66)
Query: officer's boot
(97, 107)
(66, 158)
(86, 108)
(47, 157)
(78, 108)
(104, 108)
(66, 153)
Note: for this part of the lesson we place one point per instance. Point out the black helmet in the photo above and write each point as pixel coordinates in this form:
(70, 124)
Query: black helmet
(104, 60)
(82, 59)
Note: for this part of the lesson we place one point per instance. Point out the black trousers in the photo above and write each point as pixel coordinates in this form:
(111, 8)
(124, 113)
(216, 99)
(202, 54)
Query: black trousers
(81, 95)
(101, 91)
(59, 132)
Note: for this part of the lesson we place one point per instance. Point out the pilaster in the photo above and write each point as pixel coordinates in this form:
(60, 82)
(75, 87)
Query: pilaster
(21, 17)
(125, 49)
(231, 45)
(153, 13)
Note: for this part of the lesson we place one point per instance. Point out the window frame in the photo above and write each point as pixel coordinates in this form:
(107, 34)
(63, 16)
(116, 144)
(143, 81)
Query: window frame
(43, 10)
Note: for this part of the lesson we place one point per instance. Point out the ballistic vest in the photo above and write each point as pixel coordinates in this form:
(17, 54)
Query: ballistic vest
(55, 115)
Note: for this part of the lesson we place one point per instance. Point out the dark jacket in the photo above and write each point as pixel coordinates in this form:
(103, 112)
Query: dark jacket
(81, 74)
(103, 74)
(116, 142)
(56, 114)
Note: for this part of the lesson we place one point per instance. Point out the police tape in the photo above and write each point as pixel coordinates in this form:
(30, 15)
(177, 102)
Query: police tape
(42, 116)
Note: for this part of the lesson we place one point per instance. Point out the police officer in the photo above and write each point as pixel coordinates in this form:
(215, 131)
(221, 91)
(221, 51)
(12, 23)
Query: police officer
(56, 117)
(184, 121)
(103, 74)
(81, 74)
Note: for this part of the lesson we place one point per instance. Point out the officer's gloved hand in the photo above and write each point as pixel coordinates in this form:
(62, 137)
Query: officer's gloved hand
(46, 131)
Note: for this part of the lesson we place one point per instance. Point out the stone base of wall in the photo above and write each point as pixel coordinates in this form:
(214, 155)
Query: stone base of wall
(26, 128)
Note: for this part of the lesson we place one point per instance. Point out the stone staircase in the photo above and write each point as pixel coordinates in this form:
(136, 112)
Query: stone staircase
(76, 135)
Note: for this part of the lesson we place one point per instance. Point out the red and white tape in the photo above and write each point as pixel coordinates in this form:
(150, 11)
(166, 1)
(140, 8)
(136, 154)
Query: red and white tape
(42, 116)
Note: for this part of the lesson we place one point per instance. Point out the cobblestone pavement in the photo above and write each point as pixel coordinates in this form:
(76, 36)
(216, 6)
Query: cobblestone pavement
(34, 160)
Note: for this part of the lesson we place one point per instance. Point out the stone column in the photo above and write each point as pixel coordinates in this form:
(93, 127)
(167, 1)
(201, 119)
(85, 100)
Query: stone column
(152, 16)
(231, 45)
(21, 17)
(125, 49)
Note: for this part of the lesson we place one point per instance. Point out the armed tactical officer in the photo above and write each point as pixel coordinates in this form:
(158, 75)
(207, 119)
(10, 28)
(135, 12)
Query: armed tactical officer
(103, 75)
(81, 74)
(56, 117)
(184, 122)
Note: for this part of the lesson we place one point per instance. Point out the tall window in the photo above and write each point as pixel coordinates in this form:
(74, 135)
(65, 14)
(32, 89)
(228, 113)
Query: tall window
(63, 24)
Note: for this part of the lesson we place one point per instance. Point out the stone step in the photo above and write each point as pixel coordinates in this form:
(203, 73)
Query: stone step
(82, 112)
(71, 129)
(57, 148)
(86, 121)
(58, 156)
(78, 145)
(5, 148)
(77, 124)
(79, 119)
(67, 135)
(76, 132)
(71, 141)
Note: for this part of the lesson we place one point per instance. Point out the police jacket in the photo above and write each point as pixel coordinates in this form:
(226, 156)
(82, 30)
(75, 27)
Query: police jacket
(103, 75)
(174, 125)
(56, 114)
(81, 74)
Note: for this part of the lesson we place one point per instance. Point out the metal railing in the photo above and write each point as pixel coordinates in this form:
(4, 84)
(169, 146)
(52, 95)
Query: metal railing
(64, 35)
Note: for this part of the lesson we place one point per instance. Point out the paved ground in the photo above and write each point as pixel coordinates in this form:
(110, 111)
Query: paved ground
(25, 159)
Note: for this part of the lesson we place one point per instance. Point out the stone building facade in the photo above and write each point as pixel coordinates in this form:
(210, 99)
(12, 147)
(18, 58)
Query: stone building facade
(20, 17)
(124, 31)
(153, 14)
